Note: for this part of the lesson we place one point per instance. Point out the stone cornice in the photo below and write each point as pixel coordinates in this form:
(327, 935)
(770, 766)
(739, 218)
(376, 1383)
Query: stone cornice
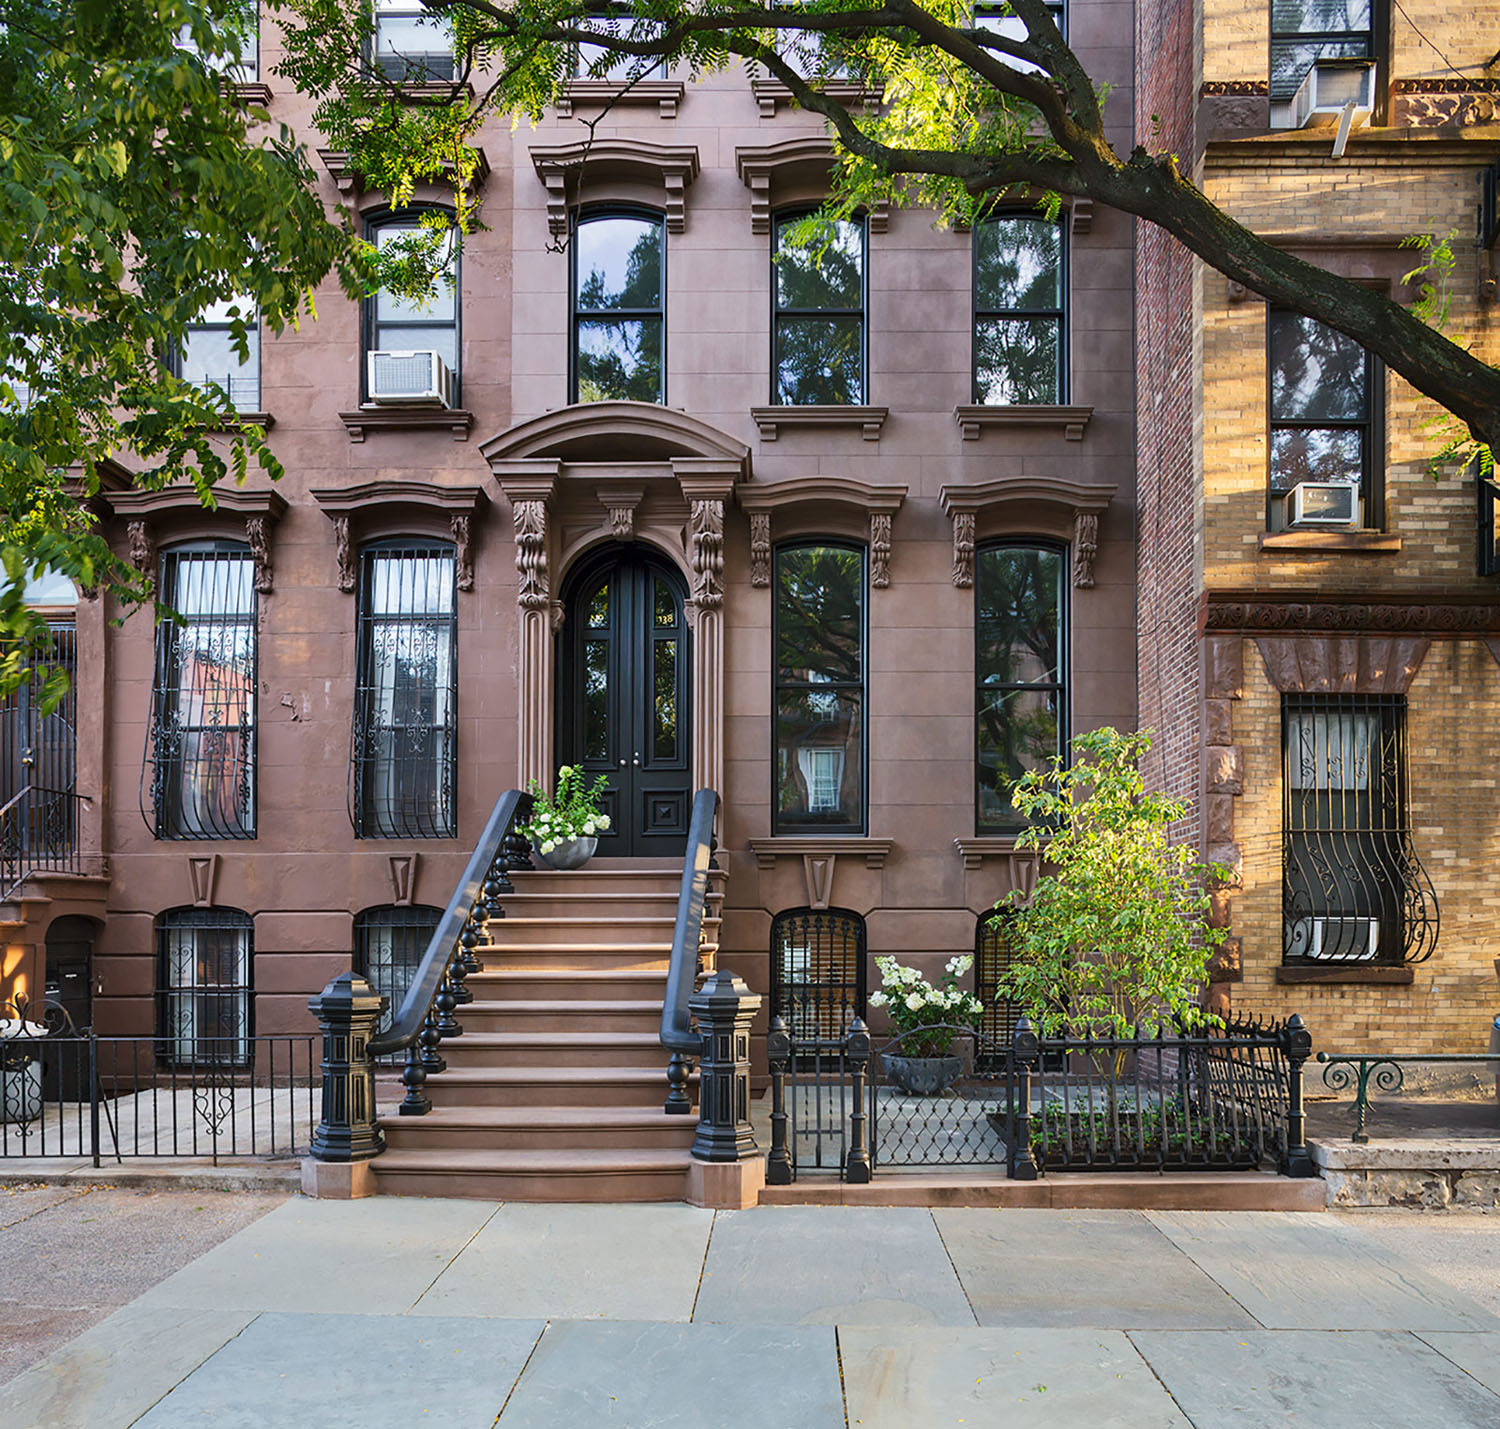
(878, 503)
(1071, 506)
(564, 169)
(801, 165)
(1433, 613)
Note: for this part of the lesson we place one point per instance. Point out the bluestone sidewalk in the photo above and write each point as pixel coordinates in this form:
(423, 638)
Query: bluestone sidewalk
(459, 1313)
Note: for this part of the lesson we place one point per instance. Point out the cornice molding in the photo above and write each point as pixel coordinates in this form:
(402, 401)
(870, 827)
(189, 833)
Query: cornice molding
(352, 185)
(352, 507)
(1436, 614)
(564, 169)
(1072, 422)
(800, 164)
(869, 420)
(457, 421)
(665, 94)
(878, 503)
(1075, 507)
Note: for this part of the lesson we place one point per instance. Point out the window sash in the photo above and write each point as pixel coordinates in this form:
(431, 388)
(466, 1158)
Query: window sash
(839, 371)
(392, 324)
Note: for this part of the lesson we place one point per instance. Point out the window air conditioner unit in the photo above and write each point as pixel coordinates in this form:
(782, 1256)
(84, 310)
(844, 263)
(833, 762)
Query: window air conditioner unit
(410, 379)
(1323, 503)
(1344, 939)
(1328, 86)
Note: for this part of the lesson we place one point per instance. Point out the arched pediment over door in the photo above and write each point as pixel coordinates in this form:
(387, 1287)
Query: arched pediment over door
(597, 472)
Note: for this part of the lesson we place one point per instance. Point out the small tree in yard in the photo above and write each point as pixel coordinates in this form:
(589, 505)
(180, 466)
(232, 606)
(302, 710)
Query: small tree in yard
(1115, 941)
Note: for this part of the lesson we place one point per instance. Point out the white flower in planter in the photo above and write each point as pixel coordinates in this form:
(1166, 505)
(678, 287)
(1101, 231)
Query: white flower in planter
(602, 821)
(548, 845)
(588, 829)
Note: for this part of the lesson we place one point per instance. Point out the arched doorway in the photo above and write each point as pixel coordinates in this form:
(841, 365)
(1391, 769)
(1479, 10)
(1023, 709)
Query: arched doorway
(624, 676)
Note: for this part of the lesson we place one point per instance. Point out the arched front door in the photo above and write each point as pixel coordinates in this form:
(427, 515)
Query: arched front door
(624, 678)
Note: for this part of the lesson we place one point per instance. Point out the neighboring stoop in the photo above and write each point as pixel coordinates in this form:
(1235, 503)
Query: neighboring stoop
(554, 1092)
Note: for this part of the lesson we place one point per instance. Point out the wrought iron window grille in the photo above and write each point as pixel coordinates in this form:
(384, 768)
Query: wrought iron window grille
(403, 765)
(38, 765)
(200, 755)
(818, 973)
(1354, 892)
(389, 943)
(205, 963)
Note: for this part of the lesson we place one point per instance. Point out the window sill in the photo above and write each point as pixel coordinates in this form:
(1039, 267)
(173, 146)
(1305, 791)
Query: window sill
(247, 419)
(771, 420)
(771, 92)
(767, 851)
(666, 94)
(975, 850)
(455, 420)
(249, 91)
(1389, 976)
(1071, 421)
(1367, 543)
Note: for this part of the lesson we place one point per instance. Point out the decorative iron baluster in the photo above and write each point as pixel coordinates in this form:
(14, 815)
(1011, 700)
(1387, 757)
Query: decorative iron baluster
(778, 1053)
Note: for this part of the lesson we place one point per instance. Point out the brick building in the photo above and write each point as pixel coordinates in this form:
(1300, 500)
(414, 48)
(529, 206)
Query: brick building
(1315, 610)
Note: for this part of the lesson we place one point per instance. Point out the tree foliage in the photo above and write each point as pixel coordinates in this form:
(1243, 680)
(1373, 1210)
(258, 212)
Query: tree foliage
(1115, 941)
(135, 192)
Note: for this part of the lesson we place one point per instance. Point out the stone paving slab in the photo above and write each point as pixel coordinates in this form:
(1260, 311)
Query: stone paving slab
(576, 1262)
(1292, 1273)
(377, 1256)
(116, 1371)
(353, 1372)
(1478, 1355)
(821, 1265)
(655, 1376)
(1256, 1378)
(1045, 1379)
(1102, 1269)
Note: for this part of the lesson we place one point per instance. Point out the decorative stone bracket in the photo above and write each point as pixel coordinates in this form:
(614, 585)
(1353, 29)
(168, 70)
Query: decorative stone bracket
(148, 513)
(1072, 422)
(819, 859)
(1068, 510)
(565, 168)
(352, 185)
(665, 94)
(377, 506)
(790, 169)
(878, 503)
(869, 420)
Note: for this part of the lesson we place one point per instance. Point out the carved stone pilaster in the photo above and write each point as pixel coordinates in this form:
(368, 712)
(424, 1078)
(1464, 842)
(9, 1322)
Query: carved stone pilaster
(463, 553)
(531, 555)
(760, 548)
(963, 549)
(142, 547)
(345, 552)
(1085, 549)
(258, 535)
(880, 549)
(706, 552)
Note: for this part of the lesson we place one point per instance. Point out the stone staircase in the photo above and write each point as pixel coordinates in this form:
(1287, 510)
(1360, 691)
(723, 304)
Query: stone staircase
(554, 1091)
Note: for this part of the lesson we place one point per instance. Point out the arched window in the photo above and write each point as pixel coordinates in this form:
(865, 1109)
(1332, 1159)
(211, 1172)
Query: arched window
(1020, 671)
(819, 643)
(404, 749)
(817, 970)
(388, 945)
(412, 348)
(819, 323)
(205, 967)
(1020, 298)
(619, 308)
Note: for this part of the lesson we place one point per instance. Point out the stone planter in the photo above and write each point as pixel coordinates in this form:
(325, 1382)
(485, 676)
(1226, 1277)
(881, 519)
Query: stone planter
(921, 1076)
(572, 853)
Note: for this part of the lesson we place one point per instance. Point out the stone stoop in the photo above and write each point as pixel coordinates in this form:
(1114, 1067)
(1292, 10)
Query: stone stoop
(554, 1091)
(1424, 1173)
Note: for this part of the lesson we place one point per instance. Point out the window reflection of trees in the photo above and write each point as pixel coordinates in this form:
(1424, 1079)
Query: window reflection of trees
(618, 309)
(1018, 311)
(819, 313)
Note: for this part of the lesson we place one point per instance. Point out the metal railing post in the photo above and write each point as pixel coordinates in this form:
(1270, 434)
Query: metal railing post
(724, 1007)
(1297, 1041)
(1020, 1161)
(857, 1165)
(347, 1011)
(779, 1169)
(94, 1096)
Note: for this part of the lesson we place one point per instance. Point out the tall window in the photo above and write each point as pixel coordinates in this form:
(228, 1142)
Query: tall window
(619, 296)
(1306, 30)
(388, 947)
(598, 62)
(205, 958)
(405, 741)
(998, 18)
(818, 970)
(1353, 890)
(412, 46)
(240, 32)
(401, 325)
(209, 358)
(820, 688)
(202, 737)
(820, 314)
(1324, 390)
(1020, 668)
(1019, 292)
(39, 745)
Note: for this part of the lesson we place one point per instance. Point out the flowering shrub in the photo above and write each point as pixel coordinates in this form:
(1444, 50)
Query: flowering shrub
(571, 813)
(931, 1014)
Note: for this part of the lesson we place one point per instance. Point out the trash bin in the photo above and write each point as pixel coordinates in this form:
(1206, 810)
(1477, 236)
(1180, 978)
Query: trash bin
(20, 1070)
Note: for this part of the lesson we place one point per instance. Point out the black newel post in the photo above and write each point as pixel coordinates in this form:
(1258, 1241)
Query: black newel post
(778, 1054)
(723, 1007)
(347, 1011)
(857, 1164)
(1298, 1043)
(1024, 1051)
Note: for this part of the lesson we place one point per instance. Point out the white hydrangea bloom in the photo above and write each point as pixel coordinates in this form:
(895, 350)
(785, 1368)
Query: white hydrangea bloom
(915, 1001)
(877, 999)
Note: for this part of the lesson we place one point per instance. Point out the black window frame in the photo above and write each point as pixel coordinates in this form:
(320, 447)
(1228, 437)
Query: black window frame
(370, 324)
(416, 919)
(779, 220)
(439, 820)
(577, 315)
(1372, 424)
(1487, 520)
(215, 919)
(1372, 38)
(807, 826)
(818, 923)
(167, 766)
(997, 10)
(416, 70)
(177, 361)
(1059, 313)
(1062, 686)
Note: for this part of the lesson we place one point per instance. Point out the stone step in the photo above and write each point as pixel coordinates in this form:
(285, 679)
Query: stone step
(577, 1048)
(560, 983)
(562, 1015)
(603, 1175)
(537, 1128)
(634, 926)
(549, 1086)
(578, 956)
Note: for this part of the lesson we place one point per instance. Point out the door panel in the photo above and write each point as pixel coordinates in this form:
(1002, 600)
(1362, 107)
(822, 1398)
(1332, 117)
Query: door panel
(623, 698)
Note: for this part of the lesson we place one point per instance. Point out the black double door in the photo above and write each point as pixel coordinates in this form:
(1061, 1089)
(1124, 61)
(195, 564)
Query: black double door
(623, 707)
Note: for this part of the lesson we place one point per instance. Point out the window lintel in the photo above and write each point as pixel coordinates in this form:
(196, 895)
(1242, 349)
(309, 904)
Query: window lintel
(808, 495)
(564, 169)
(1051, 506)
(378, 509)
(789, 172)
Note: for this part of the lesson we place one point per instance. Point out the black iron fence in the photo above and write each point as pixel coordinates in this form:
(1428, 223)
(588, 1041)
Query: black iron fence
(72, 1095)
(1215, 1099)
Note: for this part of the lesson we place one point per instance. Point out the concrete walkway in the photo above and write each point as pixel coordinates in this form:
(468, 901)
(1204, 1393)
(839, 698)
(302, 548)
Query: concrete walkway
(462, 1313)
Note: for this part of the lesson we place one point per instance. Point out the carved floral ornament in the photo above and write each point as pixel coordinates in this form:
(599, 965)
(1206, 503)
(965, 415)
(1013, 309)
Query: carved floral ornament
(390, 508)
(1028, 505)
(877, 505)
(154, 518)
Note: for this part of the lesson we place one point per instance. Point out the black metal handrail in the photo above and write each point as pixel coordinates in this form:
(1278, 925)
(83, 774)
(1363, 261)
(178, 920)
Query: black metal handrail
(39, 834)
(677, 1034)
(418, 1005)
